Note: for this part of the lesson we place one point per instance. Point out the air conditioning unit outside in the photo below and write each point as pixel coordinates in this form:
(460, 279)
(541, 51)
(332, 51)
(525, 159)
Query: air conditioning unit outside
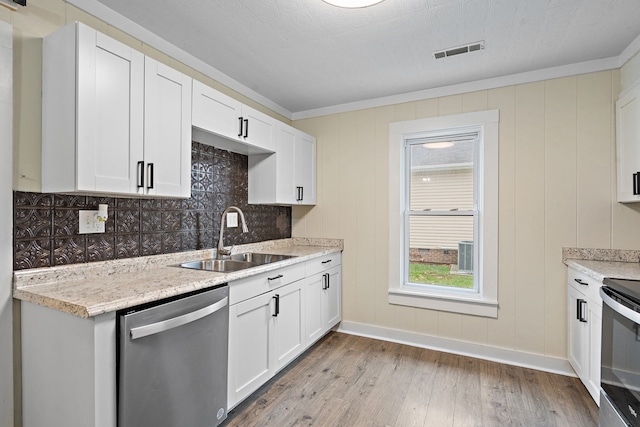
(465, 257)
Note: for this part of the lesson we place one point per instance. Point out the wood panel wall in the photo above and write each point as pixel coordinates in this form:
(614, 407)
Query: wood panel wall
(557, 189)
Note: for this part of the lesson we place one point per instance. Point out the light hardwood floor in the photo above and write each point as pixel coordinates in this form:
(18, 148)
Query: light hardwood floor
(345, 380)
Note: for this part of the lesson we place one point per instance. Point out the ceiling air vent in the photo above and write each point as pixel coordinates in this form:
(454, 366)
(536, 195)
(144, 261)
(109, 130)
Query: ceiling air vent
(459, 50)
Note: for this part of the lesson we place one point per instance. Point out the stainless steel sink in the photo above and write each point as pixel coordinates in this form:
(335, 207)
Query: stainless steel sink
(260, 259)
(219, 265)
(235, 262)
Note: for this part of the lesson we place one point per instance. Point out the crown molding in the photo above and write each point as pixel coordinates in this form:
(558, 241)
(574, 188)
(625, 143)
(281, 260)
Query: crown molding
(496, 82)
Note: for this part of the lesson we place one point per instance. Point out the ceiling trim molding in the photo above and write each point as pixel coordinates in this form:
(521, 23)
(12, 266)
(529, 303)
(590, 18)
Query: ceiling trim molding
(111, 17)
(493, 83)
(100, 11)
(629, 52)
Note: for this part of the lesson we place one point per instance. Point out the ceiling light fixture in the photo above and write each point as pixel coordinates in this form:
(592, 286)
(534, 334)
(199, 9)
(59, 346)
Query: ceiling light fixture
(353, 4)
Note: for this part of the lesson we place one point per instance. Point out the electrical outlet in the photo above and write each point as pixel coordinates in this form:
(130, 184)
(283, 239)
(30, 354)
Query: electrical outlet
(232, 219)
(88, 223)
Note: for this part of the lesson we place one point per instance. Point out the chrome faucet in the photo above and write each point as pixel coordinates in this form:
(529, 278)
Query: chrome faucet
(221, 250)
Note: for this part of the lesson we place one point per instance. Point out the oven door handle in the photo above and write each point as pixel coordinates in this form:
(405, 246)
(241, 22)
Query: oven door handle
(165, 325)
(619, 308)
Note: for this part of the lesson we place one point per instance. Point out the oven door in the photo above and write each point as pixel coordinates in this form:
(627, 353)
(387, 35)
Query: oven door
(620, 379)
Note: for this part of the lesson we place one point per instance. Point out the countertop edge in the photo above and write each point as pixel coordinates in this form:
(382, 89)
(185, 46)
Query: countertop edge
(599, 270)
(29, 288)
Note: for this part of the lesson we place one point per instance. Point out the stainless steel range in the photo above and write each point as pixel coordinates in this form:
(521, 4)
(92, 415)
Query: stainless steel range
(620, 364)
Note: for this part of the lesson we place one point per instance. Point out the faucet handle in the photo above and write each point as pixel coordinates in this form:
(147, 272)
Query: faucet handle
(223, 251)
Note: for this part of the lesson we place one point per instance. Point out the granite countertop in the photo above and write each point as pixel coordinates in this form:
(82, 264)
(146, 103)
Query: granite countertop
(87, 290)
(602, 263)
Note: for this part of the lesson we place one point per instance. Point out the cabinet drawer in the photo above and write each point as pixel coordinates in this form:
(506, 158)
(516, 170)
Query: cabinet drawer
(240, 290)
(326, 262)
(587, 285)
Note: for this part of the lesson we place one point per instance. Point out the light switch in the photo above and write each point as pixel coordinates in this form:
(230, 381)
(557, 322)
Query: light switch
(232, 219)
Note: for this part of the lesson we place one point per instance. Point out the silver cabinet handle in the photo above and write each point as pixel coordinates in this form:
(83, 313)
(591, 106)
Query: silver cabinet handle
(165, 325)
(619, 308)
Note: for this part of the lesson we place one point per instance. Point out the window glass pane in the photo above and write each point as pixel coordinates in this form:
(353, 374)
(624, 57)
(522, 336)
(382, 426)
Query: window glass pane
(442, 175)
(441, 250)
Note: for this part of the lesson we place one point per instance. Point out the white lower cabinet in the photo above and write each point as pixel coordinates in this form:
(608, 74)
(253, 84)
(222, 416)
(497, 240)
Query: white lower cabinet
(275, 316)
(323, 302)
(68, 368)
(585, 326)
(265, 333)
(249, 337)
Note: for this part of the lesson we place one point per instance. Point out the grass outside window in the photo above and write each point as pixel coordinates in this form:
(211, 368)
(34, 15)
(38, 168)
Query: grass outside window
(438, 274)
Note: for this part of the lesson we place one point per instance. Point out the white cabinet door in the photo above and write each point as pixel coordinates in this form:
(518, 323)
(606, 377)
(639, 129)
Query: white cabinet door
(628, 145)
(289, 335)
(305, 169)
(314, 322)
(584, 341)
(93, 112)
(285, 157)
(333, 297)
(215, 112)
(110, 113)
(594, 319)
(578, 333)
(323, 309)
(249, 336)
(258, 129)
(167, 140)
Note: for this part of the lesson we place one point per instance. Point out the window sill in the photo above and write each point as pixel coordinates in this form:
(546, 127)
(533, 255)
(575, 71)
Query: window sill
(457, 304)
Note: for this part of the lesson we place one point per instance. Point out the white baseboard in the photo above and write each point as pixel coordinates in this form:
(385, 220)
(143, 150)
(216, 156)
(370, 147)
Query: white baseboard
(495, 354)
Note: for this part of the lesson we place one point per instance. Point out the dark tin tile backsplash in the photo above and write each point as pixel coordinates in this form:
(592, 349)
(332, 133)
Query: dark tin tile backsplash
(46, 225)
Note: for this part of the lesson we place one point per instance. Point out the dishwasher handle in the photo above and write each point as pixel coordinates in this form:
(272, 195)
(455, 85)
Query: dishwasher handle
(165, 325)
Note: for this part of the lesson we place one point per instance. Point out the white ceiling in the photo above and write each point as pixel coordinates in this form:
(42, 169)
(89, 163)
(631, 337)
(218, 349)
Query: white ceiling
(306, 55)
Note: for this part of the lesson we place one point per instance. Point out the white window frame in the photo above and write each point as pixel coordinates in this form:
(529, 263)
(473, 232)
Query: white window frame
(482, 301)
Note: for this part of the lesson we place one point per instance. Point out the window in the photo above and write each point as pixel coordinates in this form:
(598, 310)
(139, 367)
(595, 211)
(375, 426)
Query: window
(444, 213)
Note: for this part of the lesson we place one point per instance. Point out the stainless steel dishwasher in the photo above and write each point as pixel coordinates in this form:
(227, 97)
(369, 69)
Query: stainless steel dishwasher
(172, 361)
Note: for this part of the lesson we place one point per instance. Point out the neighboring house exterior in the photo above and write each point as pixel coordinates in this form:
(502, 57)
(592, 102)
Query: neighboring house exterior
(441, 179)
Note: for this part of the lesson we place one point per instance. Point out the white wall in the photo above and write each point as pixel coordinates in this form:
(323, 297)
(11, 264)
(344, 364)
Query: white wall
(6, 223)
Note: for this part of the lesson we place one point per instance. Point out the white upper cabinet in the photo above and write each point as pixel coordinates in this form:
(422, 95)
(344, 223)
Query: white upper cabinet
(167, 131)
(287, 177)
(109, 124)
(257, 129)
(217, 113)
(628, 145)
(305, 169)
